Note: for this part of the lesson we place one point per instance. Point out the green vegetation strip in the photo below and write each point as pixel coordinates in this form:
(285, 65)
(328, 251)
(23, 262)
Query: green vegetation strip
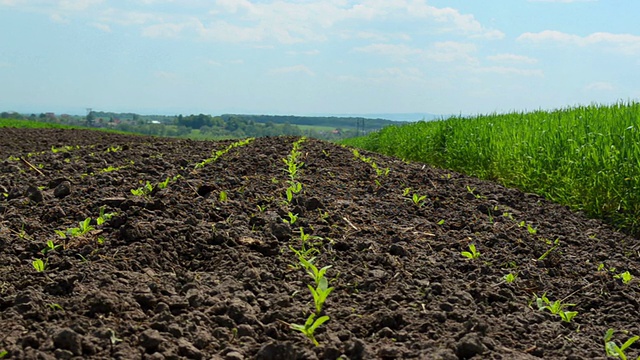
(30, 124)
(587, 157)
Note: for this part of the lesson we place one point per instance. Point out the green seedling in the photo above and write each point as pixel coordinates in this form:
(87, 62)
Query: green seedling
(312, 270)
(102, 218)
(556, 244)
(324, 215)
(261, 208)
(418, 200)
(39, 265)
(294, 188)
(441, 222)
(51, 246)
(626, 277)
(612, 349)
(56, 307)
(223, 197)
(3, 353)
(471, 191)
(320, 294)
(380, 172)
(83, 228)
(310, 326)
(305, 238)
(163, 184)
(144, 190)
(111, 169)
(509, 278)
(556, 307)
(217, 154)
(472, 253)
(406, 191)
(292, 218)
(304, 253)
(531, 229)
(114, 148)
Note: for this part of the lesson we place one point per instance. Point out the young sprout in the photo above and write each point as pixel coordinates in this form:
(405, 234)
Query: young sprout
(292, 218)
(472, 253)
(310, 326)
(612, 349)
(85, 226)
(626, 277)
(102, 218)
(510, 277)
(39, 265)
(556, 243)
(51, 246)
(418, 200)
(223, 196)
(556, 307)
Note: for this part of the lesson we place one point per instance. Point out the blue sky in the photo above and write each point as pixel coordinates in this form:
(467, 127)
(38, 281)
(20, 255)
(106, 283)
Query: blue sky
(316, 57)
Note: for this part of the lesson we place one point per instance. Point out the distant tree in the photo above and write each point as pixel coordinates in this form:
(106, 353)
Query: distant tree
(91, 117)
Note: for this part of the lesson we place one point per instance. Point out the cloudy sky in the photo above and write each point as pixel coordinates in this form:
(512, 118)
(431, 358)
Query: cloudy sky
(316, 57)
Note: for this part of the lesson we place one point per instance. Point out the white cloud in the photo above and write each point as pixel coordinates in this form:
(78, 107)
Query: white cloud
(306, 52)
(167, 76)
(11, 2)
(399, 51)
(223, 31)
(100, 26)
(166, 30)
(625, 43)
(292, 69)
(451, 51)
(512, 58)
(77, 5)
(396, 73)
(292, 21)
(599, 86)
(451, 19)
(279, 21)
(58, 18)
(506, 70)
(445, 51)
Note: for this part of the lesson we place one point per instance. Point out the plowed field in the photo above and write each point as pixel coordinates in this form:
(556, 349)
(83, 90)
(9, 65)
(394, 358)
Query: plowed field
(203, 267)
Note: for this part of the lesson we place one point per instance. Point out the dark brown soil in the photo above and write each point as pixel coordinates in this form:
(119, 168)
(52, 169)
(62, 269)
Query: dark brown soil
(180, 274)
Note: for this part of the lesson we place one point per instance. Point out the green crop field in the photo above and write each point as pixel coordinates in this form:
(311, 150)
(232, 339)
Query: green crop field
(587, 157)
(32, 124)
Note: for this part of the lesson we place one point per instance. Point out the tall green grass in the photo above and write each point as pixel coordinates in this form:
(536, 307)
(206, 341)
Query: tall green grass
(587, 157)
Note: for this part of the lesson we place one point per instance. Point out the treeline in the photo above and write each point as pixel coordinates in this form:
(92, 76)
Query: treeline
(203, 126)
(234, 126)
(327, 121)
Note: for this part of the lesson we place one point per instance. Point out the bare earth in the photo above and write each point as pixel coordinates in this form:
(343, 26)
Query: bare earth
(180, 274)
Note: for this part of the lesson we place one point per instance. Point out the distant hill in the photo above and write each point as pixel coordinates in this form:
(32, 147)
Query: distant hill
(397, 116)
